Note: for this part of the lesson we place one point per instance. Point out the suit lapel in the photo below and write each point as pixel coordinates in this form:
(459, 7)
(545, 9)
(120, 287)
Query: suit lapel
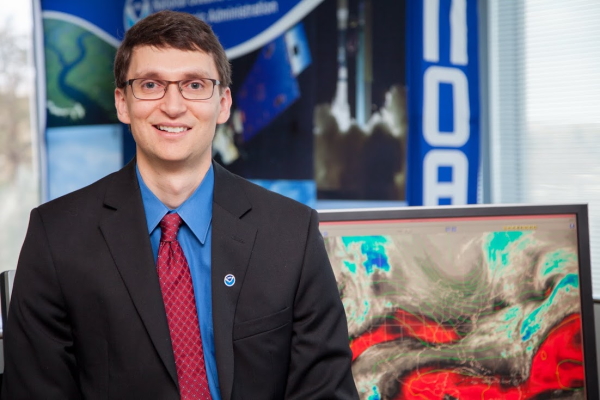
(232, 242)
(125, 231)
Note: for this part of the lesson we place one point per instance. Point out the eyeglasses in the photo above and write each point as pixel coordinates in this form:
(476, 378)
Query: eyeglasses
(190, 89)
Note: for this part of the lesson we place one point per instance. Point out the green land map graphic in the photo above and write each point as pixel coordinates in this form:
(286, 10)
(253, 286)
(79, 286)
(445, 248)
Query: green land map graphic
(79, 78)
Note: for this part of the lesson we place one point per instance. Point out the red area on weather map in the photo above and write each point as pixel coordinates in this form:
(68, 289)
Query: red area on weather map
(404, 324)
(557, 364)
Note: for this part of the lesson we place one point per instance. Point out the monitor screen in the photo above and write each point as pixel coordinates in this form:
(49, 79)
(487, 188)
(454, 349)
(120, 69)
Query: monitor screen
(475, 302)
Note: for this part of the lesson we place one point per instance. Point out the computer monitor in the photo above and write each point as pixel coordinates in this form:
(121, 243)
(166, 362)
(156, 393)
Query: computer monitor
(474, 302)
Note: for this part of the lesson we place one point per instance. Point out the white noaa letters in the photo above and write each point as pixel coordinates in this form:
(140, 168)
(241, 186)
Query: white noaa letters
(446, 146)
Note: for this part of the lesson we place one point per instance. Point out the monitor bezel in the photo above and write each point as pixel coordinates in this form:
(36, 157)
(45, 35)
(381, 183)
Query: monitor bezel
(508, 210)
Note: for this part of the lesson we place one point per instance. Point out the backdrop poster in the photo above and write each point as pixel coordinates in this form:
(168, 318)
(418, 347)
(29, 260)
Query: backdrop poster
(320, 91)
(82, 139)
(331, 113)
(76, 51)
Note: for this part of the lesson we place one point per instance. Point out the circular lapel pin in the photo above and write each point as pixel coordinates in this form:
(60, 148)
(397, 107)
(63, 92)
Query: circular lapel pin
(229, 280)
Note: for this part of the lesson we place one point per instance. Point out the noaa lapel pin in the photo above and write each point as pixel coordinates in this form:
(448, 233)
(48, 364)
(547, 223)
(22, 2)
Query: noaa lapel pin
(229, 280)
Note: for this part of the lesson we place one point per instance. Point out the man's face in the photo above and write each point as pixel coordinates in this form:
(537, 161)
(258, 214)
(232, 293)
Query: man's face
(172, 131)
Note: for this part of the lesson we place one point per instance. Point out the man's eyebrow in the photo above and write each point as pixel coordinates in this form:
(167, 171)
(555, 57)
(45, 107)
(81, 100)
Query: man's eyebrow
(198, 73)
(148, 74)
(187, 75)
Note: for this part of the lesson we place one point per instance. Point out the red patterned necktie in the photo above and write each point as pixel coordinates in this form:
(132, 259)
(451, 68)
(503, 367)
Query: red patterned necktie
(180, 305)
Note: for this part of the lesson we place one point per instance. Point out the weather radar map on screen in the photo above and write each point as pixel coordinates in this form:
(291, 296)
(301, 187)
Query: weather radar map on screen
(466, 303)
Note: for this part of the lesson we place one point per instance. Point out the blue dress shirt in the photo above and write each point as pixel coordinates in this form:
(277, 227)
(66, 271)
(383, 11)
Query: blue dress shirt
(195, 239)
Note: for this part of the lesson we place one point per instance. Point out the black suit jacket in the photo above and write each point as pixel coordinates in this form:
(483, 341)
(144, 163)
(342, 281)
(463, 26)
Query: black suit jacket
(87, 320)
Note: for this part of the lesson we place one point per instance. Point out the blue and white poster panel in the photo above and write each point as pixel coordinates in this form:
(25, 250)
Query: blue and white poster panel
(82, 138)
(320, 94)
(443, 102)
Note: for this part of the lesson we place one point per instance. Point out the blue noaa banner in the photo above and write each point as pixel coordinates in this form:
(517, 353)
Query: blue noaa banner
(443, 102)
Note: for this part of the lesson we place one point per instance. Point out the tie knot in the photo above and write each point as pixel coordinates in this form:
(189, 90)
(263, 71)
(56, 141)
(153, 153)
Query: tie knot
(169, 226)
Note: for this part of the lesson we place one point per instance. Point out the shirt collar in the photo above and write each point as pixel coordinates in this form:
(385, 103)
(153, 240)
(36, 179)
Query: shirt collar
(196, 211)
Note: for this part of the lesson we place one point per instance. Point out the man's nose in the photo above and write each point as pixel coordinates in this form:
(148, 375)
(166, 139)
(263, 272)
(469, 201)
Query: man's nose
(173, 102)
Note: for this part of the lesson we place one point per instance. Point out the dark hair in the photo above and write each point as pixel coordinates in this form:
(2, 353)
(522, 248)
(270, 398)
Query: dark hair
(173, 29)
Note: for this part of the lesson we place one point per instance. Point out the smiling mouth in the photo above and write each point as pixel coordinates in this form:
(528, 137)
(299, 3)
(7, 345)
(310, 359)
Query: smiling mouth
(171, 129)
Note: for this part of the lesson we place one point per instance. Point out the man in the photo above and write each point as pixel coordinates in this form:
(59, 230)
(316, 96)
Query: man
(106, 272)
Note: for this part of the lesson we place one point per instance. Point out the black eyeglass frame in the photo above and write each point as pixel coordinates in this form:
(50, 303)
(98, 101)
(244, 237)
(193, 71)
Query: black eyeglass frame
(215, 83)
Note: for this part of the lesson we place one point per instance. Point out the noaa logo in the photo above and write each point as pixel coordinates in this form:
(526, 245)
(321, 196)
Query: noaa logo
(229, 280)
(134, 11)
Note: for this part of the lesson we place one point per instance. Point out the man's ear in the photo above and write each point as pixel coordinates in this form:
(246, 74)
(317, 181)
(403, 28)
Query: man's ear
(121, 106)
(224, 106)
